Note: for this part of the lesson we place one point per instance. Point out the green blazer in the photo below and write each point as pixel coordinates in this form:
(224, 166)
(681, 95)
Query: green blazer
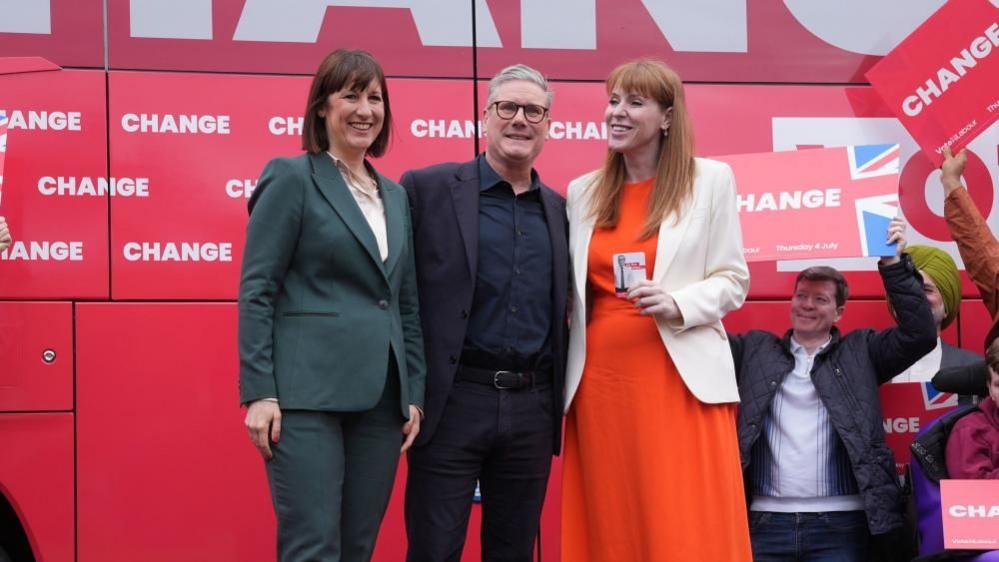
(319, 312)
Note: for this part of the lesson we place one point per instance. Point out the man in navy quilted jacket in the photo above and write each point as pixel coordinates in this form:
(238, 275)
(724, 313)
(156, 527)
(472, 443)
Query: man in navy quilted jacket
(819, 476)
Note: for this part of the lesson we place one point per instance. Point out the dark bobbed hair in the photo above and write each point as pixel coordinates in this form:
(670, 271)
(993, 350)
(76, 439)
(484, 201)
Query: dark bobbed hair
(826, 273)
(353, 70)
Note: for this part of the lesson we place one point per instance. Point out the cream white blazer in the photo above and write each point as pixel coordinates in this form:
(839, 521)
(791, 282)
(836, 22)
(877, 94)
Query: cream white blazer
(699, 262)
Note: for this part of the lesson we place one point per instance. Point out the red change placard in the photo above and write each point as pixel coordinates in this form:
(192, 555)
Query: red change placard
(832, 202)
(943, 80)
(970, 510)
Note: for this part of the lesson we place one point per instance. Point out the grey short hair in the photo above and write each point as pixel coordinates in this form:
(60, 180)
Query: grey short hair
(520, 72)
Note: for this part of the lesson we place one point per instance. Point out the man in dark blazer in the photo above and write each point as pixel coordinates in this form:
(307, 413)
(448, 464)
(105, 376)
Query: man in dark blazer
(492, 264)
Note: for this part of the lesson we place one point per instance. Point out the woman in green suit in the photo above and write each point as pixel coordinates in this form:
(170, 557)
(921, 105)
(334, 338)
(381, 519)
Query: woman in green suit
(331, 352)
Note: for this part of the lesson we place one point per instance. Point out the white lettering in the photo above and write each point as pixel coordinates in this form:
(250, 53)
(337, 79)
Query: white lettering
(946, 78)
(443, 23)
(176, 124)
(993, 32)
(912, 106)
(964, 62)
(45, 120)
(980, 48)
(782, 201)
(286, 125)
(418, 128)
(178, 252)
(26, 17)
(454, 130)
(177, 19)
(437, 129)
(240, 189)
(901, 425)
(974, 511)
(931, 89)
(442, 129)
(43, 250)
(573, 130)
(93, 187)
(884, 25)
(545, 24)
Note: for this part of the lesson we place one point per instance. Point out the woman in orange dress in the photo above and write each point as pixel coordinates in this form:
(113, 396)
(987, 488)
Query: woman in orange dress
(651, 469)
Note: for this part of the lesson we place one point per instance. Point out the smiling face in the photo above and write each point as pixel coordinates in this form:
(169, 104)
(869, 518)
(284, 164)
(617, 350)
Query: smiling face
(515, 142)
(353, 119)
(635, 123)
(813, 309)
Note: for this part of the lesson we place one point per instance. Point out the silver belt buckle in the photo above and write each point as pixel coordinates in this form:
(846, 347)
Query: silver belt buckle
(496, 382)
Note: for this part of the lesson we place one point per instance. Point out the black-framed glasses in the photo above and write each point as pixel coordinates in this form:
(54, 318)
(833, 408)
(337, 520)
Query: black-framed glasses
(532, 113)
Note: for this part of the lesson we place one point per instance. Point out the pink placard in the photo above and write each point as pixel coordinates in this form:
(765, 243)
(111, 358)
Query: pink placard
(907, 408)
(833, 202)
(970, 511)
(942, 81)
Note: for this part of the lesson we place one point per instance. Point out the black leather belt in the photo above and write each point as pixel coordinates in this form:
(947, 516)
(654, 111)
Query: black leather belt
(504, 380)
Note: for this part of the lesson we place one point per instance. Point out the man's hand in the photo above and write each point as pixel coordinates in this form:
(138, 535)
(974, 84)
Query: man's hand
(411, 428)
(5, 237)
(896, 233)
(951, 170)
(263, 419)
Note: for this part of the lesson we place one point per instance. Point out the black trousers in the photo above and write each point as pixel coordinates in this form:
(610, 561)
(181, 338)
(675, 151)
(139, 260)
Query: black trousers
(331, 478)
(503, 438)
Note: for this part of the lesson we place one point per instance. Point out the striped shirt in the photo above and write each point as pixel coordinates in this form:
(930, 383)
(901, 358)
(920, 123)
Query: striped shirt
(800, 464)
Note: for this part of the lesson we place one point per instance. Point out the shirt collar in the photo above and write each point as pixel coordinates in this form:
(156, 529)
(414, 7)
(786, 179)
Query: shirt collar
(367, 185)
(798, 348)
(488, 178)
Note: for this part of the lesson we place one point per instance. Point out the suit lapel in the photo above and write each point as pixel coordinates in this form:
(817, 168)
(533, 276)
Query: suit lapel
(465, 194)
(555, 217)
(334, 189)
(670, 235)
(395, 223)
(581, 253)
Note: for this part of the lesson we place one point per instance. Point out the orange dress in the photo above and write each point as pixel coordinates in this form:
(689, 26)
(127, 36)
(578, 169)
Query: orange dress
(650, 473)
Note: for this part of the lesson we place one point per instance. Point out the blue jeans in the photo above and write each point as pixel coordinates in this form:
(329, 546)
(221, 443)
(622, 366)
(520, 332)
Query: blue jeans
(834, 536)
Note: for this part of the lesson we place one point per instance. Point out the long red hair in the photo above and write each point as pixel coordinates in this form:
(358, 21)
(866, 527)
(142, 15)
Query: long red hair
(674, 181)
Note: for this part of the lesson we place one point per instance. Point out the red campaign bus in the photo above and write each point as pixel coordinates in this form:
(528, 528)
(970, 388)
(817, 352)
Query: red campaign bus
(128, 171)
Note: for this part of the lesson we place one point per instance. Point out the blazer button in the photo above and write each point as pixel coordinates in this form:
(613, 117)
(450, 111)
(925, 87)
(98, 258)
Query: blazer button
(452, 359)
(464, 314)
(383, 304)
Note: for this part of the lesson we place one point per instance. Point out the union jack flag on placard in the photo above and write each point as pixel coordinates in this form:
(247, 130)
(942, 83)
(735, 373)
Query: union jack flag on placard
(933, 399)
(873, 216)
(873, 160)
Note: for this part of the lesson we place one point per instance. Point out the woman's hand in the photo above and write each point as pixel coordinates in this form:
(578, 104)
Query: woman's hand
(411, 428)
(263, 419)
(650, 299)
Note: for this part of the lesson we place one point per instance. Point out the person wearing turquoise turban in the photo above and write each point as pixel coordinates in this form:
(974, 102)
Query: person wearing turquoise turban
(942, 286)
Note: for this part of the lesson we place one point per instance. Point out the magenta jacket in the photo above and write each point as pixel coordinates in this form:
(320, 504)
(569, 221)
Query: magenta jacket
(973, 445)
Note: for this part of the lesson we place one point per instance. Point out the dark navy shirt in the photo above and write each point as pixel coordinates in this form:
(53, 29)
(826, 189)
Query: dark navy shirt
(512, 307)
